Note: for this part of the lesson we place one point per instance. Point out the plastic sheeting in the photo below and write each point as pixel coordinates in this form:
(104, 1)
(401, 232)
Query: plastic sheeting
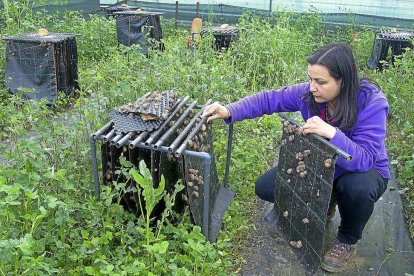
(84, 6)
(373, 13)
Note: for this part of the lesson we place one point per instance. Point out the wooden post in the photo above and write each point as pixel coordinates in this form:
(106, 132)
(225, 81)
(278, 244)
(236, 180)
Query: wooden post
(197, 8)
(176, 13)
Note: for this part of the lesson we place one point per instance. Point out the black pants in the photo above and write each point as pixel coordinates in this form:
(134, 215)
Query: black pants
(356, 193)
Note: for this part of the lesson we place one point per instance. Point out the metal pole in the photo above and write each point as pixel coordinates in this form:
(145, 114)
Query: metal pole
(229, 144)
(206, 198)
(95, 167)
(175, 126)
(176, 13)
(222, 15)
(176, 109)
(187, 129)
(190, 136)
(270, 7)
(102, 130)
(197, 8)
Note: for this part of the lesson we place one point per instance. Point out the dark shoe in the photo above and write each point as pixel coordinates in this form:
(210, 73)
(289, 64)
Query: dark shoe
(338, 256)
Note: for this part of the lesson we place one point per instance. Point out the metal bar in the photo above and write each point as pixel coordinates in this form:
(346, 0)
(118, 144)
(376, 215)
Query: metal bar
(101, 130)
(189, 137)
(124, 140)
(174, 127)
(206, 203)
(155, 134)
(116, 139)
(229, 144)
(108, 136)
(95, 167)
(137, 140)
(338, 151)
(196, 106)
(187, 128)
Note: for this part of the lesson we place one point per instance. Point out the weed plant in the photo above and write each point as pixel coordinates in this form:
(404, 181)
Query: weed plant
(50, 221)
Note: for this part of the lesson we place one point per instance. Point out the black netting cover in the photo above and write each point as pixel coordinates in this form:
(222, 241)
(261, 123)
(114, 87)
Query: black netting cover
(41, 65)
(194, 178)
(142, 28)
(302, 195)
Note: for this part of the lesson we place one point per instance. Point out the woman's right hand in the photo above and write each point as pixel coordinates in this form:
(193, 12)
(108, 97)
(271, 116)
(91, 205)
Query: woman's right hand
(216, 111)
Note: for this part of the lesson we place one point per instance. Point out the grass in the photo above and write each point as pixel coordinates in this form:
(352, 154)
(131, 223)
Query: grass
(50, 220)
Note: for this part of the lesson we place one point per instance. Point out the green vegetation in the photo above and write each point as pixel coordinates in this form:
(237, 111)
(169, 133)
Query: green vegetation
(50, 221)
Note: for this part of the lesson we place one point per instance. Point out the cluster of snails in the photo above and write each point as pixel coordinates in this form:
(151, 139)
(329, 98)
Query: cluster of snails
(148, 107)
(171, 157)
(296, 244)
(195, 181)
(108, 174)
(301, 167)
(186, 121)
(198, 141)
(291, 129)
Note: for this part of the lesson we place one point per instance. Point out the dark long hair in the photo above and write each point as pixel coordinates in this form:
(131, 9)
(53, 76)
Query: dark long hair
(339, 60)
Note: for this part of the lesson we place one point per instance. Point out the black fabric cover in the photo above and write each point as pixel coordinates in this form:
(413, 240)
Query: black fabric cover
(143, 29)
(40, 68)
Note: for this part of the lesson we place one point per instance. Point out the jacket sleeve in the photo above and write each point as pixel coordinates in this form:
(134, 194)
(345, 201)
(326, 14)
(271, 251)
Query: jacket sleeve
(367, 138)
(285, 99)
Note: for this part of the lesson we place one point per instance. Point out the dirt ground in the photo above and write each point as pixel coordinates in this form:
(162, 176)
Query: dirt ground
(385, 249)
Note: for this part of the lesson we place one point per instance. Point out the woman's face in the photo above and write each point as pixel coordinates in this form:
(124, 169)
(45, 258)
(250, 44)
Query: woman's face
(323, 86)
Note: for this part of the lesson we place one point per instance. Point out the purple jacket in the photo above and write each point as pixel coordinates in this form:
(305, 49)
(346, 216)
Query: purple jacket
(365, 142)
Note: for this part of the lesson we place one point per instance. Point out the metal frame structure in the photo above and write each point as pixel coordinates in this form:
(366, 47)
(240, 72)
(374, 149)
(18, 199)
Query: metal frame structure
(149, 141)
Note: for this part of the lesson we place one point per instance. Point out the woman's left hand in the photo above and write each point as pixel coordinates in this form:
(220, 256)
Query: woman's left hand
(317, 126)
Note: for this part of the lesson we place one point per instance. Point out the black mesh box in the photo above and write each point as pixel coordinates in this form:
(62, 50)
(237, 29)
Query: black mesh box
(386, 40)
(40, 66)
(139, 27)
(223, 36)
